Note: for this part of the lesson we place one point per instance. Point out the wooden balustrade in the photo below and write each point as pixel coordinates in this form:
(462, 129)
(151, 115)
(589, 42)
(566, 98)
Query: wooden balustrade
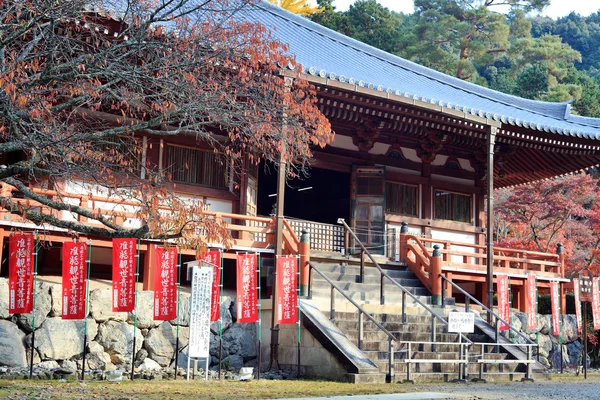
(261, 227)
(323, 237)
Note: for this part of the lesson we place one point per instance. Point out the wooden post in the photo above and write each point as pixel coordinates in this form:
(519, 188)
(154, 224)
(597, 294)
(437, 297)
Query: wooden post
(304, 250)
(561, 286)
(491, 141)
(148, 282)
(403, 242)
(1, 246)
(435, 278)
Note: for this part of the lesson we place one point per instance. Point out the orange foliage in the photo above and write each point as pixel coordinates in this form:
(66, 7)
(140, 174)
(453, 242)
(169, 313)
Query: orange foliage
(80, 88)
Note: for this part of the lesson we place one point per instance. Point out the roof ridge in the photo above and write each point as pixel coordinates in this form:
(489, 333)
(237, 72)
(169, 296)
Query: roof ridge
(561, 108)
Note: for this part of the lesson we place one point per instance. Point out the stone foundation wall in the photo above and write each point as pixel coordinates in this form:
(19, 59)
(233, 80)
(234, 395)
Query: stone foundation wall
(59, 343)
(110, 337)
(548, 343)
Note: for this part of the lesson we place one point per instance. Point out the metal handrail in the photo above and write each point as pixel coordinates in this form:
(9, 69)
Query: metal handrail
(404, 290)
(361, 311)
(489, 311)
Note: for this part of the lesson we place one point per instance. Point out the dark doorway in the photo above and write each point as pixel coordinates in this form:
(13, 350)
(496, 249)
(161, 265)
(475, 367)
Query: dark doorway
(323, 196)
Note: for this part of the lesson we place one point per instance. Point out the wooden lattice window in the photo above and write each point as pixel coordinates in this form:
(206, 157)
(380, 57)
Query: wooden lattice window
(401, 199)
(453, 206)
(197, 167)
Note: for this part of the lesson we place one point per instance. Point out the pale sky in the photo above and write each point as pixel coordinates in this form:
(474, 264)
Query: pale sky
(557, 8)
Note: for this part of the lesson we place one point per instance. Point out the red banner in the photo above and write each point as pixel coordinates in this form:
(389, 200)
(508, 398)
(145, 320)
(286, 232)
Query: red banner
(20, 273)
(247, 298)
(595, 303)
(74, 275)
(287, 286)
(503, 300)
(165, 284)
(577, 304)
(532, 302)
(123, 274)
(554, 300)
(214, 257)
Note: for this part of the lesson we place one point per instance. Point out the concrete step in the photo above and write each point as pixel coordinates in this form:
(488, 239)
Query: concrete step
(368, 326)
(373, 306)
(403, 336)
(385, 317)
(391, 292)
(448, 377)
(380, 345)
(349, 270)
(361, 296)
(406, 279)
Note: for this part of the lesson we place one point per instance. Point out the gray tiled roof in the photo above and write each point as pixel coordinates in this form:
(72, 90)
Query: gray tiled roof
(321, 50)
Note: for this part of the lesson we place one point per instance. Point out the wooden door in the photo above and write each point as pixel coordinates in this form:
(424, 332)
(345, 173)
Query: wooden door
(368, 205)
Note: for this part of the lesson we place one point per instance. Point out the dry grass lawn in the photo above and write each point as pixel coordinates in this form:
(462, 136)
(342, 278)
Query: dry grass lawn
(198, 389)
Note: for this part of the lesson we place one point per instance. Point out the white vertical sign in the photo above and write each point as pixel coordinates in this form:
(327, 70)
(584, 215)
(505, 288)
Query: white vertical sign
(199, 344)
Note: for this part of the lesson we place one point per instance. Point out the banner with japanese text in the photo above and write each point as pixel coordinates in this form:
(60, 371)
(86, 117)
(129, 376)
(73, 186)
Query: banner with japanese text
(554, 300)
(503, 300)
(123, 274)
(577, 304)
(20, 273)
(214, 257)
(287, 286)
(74, 275)
(247, 296)
(532, 302)
(595, 303)
(200, 312)
(165, 284)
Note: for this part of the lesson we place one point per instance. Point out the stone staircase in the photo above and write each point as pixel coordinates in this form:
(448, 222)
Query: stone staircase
(417, 326)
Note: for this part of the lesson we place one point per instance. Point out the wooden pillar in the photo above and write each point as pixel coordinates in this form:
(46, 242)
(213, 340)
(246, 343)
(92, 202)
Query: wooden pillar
(435, 278)
(1, 246)
(148, 283)
(448, 285)
(520, 297)
(403, 242)
(304, 250)
(481, 288)
(491, 141)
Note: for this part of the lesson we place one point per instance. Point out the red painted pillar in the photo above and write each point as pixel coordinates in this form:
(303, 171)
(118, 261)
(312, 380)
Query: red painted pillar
(403, 242)
(434, 276)
(561, 259)
(304, 250)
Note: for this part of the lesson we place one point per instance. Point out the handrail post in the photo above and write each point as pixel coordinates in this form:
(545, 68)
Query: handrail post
(403, 242)
(403, 307)
(497, 336)
(433, 333)
(304, 250)
(332, 304)
(460, 358)
(435, 276)
(481, 363)
(408, 365)
(361, 331)
(467, 302)
(529, 367)
(391, 361)
(361, 277)
(382, 290)
(310, 281)
(466, 364)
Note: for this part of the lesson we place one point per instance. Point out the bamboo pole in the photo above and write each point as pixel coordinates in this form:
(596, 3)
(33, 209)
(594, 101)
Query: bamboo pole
(87, 308)
(177, 316)
(135, 298)
(35, 269)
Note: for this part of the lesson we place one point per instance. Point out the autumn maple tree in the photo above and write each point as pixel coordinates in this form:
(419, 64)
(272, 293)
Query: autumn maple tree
(540, 215)
(82, 81)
